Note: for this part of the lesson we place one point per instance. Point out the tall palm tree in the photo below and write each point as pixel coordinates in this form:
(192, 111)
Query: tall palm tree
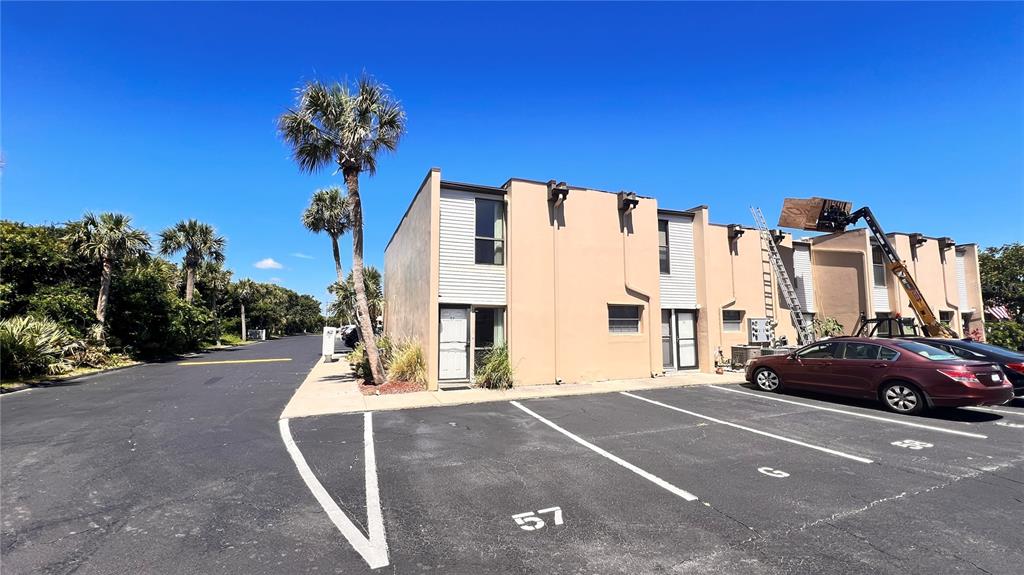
(344, 304)
(328, 212)
(245, 290)
(200, 243)
(110, 240)
(334, 125)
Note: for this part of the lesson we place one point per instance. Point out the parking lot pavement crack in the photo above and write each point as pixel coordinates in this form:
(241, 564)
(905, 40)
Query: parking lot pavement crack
(870, 544)
(757, 534)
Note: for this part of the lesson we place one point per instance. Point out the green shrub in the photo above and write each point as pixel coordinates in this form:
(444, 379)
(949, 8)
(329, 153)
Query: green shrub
(496, 371)
(70, 306)
(1008, 334)
(827, 327)
(407, 364)
(360, 363)
(30, 346)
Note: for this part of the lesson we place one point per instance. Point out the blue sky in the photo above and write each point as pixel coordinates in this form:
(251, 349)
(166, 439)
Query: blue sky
(166, 111)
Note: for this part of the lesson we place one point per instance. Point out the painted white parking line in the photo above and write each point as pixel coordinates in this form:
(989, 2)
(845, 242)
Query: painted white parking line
(373, 549)
(752, 430)
(1001, 411)
(646, 475)
(854, 413)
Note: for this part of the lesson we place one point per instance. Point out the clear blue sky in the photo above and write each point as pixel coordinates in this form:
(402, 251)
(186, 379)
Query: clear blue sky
(166, 111)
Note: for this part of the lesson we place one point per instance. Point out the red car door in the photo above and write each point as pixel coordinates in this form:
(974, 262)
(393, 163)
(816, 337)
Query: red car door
(812, 366)
(860, 369)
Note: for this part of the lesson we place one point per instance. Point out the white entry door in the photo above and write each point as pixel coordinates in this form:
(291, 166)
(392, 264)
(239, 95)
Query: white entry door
(454, 343)
(686, 337)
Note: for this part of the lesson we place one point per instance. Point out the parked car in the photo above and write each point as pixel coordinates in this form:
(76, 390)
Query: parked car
(1011, 362)
(906, 376)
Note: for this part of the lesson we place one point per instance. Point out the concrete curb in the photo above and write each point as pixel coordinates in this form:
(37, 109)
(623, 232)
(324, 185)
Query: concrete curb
(330, 388)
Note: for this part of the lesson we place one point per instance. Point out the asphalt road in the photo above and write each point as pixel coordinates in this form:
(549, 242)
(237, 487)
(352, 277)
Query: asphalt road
(161, 468)
(185, 469)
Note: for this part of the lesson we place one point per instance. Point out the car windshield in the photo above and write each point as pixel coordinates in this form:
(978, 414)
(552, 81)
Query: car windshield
(989, 348)
(926, 351)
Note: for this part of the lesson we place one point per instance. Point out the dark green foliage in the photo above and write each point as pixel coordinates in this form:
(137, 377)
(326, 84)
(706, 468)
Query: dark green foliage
(35, 256)
(361, 363)
(30, 346)
(69, 305)
(1008, 334)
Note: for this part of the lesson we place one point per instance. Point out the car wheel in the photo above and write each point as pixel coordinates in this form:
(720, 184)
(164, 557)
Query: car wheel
(902, 398)
(767, 380)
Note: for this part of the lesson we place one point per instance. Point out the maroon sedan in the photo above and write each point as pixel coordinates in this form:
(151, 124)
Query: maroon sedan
(906, 376)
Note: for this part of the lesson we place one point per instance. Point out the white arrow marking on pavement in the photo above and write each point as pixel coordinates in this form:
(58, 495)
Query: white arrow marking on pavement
(373, 549)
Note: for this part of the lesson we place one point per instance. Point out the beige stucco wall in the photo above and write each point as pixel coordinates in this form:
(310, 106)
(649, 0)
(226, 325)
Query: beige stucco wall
(411, 274)
(975, 302)
(565, 267)
(841, 270)
(734, 281)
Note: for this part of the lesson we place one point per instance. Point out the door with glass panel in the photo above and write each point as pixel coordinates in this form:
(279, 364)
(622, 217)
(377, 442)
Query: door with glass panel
(686, 339)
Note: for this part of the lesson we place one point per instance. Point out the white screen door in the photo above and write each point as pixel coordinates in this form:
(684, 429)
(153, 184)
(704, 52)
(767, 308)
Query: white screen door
(687, 338)
(454, 343)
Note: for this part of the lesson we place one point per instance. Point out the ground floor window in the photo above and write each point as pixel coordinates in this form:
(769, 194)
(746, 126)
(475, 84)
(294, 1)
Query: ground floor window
(624, 318)
(488, 332)
(732, 320)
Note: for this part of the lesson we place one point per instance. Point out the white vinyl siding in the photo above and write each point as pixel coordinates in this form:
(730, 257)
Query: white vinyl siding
(879, 275)
(802, 276)
(679, 288)
(461, 280)
(961, 283)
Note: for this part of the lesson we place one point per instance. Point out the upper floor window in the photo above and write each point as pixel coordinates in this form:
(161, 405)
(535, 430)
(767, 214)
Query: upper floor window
(878, 266)
(663, 257)
(490, 232)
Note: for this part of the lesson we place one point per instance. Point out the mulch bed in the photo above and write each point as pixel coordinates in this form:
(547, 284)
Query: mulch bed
(390, 387)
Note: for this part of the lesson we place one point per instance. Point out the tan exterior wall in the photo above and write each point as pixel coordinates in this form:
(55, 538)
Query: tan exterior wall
(732, 274)
(565, 266)
(411, 274)
(842, 276)
(975, 303)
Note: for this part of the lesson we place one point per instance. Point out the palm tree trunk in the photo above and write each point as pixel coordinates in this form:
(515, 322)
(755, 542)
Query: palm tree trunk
(362, 307)
(190, 283)
(243, 322)
(101, 301)
(337, 260)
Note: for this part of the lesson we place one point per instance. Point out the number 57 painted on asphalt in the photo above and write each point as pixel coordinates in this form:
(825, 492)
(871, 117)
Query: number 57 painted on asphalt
(529, 521)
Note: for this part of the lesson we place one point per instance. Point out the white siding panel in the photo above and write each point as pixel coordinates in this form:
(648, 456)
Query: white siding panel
(460, 279)
(679, 288)
(961, 283)
(802, 276)
(880, 294)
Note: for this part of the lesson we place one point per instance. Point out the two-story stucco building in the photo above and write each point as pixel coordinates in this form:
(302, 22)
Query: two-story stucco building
(583, 284)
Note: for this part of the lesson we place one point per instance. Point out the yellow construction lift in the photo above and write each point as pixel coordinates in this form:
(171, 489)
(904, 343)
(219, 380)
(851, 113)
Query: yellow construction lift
(824, 215)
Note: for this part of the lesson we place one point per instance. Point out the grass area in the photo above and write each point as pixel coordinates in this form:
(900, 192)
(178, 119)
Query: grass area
(44, 380)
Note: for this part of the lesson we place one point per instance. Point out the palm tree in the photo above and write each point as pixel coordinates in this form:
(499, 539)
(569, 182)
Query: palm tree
(344, 305)
(331, 124)
(245, 290)
(108, 239)
(328, 212)
(200, 243)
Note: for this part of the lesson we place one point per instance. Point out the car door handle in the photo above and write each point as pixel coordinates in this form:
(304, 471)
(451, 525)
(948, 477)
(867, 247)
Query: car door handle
(879, 365)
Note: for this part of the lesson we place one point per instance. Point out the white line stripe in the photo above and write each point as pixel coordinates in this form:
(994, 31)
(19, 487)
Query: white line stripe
(648, 476)
(374, 514)
(854, 413)
(374, 550)
(752, 430)
(990, 410)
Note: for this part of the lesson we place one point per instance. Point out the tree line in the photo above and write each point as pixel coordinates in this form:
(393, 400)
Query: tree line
(100, 283)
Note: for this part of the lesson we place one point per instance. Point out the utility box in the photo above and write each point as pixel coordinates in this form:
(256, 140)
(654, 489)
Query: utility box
(328, 343)
(256, 334)
(741, 354)
(760, 330)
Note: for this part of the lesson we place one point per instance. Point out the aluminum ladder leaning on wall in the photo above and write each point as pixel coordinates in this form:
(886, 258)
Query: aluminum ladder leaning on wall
(805, 331)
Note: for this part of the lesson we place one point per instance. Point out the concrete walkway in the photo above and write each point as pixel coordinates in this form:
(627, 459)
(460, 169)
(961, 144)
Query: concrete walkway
(331, 388)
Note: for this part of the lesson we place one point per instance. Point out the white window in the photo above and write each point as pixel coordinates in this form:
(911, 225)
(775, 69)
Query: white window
(490, 232)
(663, 253)
(488, 332)
(624, 318)
(878, 266)
(732, 320)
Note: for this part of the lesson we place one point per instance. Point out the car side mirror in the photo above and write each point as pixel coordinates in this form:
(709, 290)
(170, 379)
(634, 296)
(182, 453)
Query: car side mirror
(791, 356)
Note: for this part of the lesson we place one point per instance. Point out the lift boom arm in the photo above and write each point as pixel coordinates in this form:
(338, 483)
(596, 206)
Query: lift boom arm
(834, 216)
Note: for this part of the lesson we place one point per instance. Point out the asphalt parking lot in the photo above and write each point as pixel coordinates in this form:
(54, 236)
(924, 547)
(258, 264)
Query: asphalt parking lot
(706, 479)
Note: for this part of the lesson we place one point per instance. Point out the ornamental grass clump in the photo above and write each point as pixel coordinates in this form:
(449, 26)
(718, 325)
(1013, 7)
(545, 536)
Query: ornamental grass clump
(496, 371)
(407, 364)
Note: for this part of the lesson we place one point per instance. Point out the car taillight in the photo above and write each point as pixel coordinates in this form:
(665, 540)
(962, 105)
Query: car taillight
(1018, 367)
(960, 375)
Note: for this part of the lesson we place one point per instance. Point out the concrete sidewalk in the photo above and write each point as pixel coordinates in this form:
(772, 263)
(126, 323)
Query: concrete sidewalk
(331, 388)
